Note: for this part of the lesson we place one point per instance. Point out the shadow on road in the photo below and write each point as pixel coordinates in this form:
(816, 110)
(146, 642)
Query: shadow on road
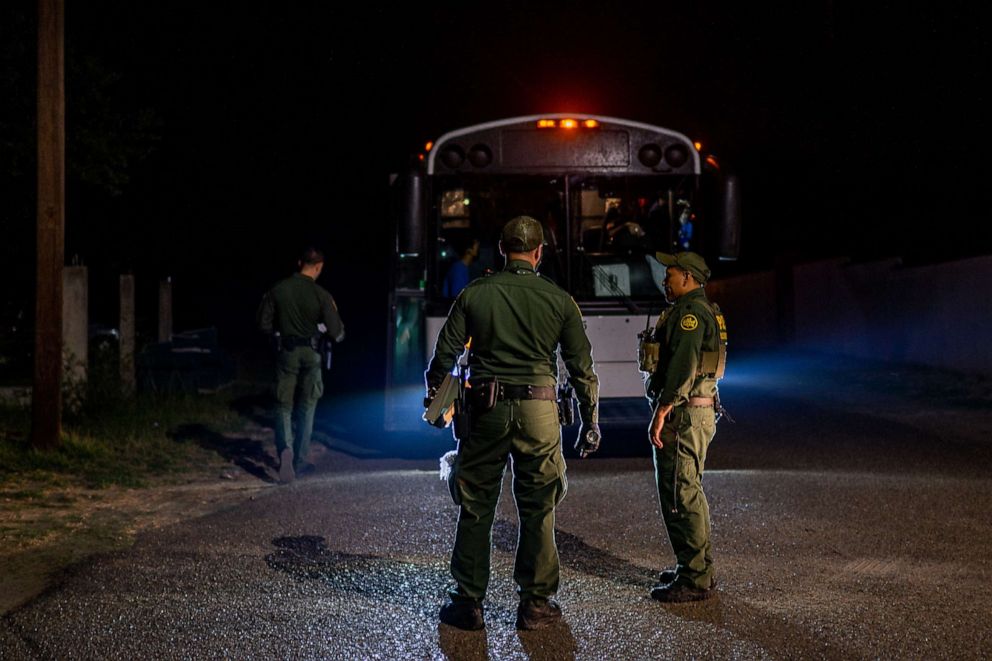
(307, 557)
(256, 407)
(414, 585)
(576, 554)
(248, 453)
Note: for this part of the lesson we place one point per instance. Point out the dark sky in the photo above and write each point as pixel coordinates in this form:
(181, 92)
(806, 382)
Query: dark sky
(853, 133)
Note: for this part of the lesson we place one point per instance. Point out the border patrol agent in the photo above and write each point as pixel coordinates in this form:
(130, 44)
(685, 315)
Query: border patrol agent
(516, 320)
(684, 362)
(290, 312)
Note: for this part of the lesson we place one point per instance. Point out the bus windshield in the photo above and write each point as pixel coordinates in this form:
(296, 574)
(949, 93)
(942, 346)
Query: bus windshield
(601, 231)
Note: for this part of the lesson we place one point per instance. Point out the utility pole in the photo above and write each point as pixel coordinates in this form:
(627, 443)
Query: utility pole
(46, 398)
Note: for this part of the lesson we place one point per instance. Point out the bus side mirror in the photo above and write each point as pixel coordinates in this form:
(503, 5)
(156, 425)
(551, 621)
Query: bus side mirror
(409, 192)
(729, 216)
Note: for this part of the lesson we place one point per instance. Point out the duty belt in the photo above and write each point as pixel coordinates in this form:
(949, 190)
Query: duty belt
(290, 342)
(507, 391)
(700, 401)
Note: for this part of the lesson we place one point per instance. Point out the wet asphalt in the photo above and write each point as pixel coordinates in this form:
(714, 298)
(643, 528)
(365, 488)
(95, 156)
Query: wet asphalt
(851, 519)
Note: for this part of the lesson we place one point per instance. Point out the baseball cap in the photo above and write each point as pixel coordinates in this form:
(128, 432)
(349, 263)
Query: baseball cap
(687, 261)
(522, 234)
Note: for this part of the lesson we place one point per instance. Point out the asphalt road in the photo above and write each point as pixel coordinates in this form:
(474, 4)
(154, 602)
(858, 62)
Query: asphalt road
(850, 509)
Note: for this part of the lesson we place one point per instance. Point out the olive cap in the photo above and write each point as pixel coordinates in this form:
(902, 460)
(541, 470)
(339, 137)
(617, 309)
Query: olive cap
(687, 261)
(522, 234)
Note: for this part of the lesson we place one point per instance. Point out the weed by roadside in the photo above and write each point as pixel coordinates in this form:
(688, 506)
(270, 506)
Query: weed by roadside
(125, 462)
(122, 442)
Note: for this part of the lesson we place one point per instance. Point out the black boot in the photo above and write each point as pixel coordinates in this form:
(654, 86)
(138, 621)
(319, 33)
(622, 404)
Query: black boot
(668, 575)
(463, 614)
(679, 592)
(537, 613)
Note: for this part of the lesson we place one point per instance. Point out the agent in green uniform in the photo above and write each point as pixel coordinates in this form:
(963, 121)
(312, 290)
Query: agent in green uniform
(516, 321)
(682, 388)
(292, 312)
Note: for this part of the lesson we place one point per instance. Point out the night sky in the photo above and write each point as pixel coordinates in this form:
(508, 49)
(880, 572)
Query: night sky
(249, 130)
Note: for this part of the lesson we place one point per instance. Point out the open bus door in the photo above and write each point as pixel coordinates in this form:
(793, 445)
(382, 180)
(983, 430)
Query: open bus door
(405, 357)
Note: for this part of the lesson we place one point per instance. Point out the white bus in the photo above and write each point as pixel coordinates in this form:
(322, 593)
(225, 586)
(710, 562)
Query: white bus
(610, 193)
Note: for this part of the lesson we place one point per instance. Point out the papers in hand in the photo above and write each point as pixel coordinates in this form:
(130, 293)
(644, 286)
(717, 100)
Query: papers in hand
(447, 461)
(442, 408)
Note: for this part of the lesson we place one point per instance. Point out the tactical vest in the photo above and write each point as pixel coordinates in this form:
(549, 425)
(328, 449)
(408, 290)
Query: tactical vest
(715, 362)
(711, 363)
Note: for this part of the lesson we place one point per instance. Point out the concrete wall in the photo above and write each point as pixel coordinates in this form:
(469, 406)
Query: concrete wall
(938, 315)
(749, 304)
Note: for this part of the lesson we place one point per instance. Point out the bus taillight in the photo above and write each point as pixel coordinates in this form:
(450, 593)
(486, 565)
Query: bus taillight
(567, 123)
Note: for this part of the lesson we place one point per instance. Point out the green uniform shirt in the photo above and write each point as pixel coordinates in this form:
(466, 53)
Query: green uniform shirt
(517, 319)
(295, 306)
(688, 329)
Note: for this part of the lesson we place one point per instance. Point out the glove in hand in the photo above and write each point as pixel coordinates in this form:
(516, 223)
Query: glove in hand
(588, 440)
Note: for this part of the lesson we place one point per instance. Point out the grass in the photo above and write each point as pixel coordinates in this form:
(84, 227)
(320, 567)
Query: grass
(112, 441)
(62, 505)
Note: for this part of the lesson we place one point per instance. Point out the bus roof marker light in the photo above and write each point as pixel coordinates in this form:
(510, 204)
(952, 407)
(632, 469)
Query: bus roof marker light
(546, 123)
(452, 156)
(428, 146)
(480, 155)
(649, 155)
(676, 155)
(569, 124)
(590, 124)
(698, 146)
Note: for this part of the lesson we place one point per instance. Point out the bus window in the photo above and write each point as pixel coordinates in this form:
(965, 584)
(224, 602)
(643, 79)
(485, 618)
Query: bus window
(476, 209)
(621, 222)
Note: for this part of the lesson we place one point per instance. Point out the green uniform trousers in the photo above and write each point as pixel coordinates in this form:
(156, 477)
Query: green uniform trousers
(678, 470)
(298, 387)
(527, 431)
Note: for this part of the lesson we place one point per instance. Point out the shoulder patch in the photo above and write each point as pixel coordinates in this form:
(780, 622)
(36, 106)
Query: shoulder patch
(689, 322)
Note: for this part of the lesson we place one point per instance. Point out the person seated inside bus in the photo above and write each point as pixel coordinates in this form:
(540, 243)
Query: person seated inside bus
(620, 234)
(658, 225)
(466, 249)
(596, 230)
(628, 237)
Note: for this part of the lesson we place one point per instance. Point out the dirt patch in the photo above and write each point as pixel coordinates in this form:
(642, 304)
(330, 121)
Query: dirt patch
(45, 529)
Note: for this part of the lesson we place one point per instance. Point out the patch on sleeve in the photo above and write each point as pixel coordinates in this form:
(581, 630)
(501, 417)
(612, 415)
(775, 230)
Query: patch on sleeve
(689, 322)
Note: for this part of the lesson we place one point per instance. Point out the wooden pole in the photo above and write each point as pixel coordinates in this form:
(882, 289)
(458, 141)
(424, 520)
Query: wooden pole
(46, 421)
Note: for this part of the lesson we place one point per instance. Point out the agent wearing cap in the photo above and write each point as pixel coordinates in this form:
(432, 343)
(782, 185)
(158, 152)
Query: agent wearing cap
(516, 320)
(683, 395)
(291, 312)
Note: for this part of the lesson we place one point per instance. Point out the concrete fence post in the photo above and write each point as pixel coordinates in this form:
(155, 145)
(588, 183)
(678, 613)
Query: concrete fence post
(165, 310)
(75, 331)
(127, 333)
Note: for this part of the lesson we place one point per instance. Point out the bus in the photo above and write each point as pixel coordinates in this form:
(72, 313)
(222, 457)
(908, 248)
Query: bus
(609, 192)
